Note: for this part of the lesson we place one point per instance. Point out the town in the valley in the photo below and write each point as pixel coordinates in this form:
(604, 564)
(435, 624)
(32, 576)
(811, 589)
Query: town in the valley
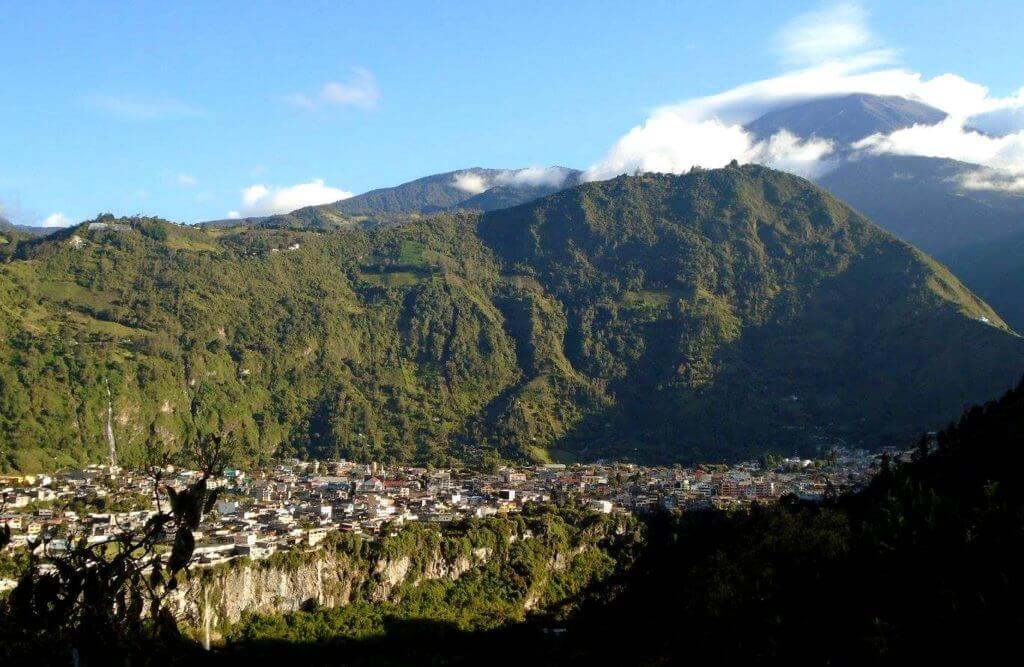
(295, 505)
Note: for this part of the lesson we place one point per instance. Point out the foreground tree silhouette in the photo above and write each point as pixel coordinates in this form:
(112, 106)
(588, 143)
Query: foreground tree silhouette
(95, 603)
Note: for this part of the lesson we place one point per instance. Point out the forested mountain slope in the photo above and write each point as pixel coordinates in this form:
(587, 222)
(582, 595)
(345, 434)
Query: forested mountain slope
(712, 315)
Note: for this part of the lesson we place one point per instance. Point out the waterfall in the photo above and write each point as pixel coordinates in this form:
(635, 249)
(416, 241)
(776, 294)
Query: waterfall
(110, 426)
(206, 618)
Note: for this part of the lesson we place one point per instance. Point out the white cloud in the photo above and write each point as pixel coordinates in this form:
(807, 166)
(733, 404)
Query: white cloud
(360, 91)
(55, 220)
(994, 179)
(470, 182)
(260, 199)
(1007, 118)
(859, 74)
(13, 212)
(234, 215)
(140, 108)
(669, 142)
(788, 152)
(837, 55)
(475, 183)
(834, 31)
(1002, 156)
(951, 140)
(187, 180)
(533, 177)
(254, 194)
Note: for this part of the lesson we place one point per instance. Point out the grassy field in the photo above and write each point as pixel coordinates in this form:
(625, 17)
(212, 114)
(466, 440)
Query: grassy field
(411, 253)
(392, 278)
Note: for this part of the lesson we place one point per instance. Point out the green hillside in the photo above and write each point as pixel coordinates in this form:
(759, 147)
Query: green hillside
(706, 316)
(736, 309)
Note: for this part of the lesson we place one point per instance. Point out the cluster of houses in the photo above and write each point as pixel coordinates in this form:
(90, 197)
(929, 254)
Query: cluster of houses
(298, 504)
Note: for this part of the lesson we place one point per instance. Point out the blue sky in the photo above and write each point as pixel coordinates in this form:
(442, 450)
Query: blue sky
(192, 110)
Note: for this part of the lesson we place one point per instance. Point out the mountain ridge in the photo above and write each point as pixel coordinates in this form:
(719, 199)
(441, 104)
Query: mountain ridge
(457, 189)
(709, 316)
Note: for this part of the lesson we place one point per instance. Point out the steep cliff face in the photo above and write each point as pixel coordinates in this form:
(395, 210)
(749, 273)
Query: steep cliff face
(552, 557)
(216, 598)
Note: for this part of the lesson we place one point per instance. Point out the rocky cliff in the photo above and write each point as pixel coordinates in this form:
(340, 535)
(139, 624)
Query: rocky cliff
(216, 598)
(209, 601)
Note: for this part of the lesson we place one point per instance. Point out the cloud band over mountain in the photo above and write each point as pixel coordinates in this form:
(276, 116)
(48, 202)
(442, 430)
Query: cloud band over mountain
(709, 131)
(530, 177)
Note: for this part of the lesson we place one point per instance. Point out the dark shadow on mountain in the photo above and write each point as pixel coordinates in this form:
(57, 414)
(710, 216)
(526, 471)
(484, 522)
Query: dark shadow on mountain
(808, 377)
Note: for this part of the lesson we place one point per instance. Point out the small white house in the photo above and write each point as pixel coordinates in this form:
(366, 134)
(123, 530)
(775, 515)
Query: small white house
(228, 507)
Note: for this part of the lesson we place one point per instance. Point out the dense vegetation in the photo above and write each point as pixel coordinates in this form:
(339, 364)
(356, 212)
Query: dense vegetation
(707, 316)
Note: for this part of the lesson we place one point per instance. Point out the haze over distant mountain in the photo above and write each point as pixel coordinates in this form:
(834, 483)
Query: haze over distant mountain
(925, 201)
(8, 226)
(708, 316)
(976, 232)
(474, 188)
(846, 119)
(937, 204)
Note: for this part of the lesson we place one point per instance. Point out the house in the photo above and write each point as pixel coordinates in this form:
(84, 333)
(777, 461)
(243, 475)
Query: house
(228, 506)
(14, 521)
(371, 485)
(244, 539)
(439, 481)
(315, 536)
(256, 551)
(513, 476)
